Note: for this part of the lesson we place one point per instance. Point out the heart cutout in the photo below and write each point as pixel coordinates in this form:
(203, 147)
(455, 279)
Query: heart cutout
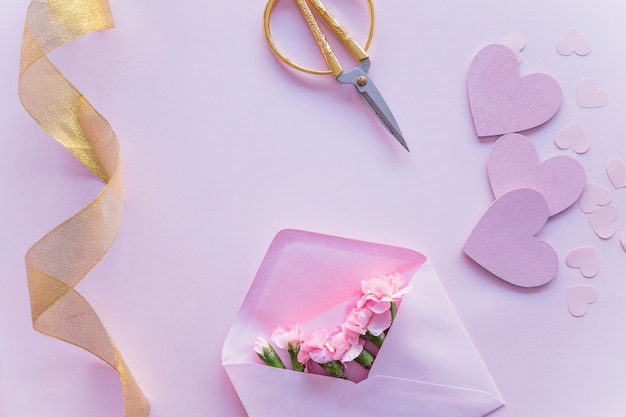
(574, 41)
(579, 297)
(516, 42)
(602, 219)
(622, 240)
(504, 242)
(572, 136)
(513, 163)
(594, 195)
(500, 101)
(585, 259)
(616, 169)
(589, 96)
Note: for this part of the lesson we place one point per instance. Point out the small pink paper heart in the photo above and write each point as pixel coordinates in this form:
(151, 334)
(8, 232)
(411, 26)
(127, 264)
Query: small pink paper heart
(513, 163)
(601, 221)
(622, 240)
(594, 195)
(504, 242)
(589, 96)
(500, 101)
(579, 297)
(516, 42)
(585, 259)
(574, 41)
(616, 169)
(572, 136)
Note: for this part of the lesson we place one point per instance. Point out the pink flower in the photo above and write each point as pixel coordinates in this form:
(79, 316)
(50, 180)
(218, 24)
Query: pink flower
(260, 344)
(317, 347)
(361, 320)
(379, 293)
(286, 335)
(347, 344)
(266, 353)
(358, 319)
(379, 323)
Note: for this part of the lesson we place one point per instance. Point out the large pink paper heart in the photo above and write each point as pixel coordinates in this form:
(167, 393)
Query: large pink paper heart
(514, 163)
(504, 242)
(502, 102)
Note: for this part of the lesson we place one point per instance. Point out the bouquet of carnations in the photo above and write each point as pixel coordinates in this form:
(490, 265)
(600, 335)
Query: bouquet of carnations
(366, 322)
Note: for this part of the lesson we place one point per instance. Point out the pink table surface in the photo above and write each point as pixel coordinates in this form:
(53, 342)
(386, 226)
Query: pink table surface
(223, 147)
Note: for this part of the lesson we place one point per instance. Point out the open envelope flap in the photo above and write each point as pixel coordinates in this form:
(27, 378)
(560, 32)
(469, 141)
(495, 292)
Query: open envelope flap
(428, 362)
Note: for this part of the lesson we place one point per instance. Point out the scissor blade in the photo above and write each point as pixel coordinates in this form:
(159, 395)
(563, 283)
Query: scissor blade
(375, 100)
(364, 85)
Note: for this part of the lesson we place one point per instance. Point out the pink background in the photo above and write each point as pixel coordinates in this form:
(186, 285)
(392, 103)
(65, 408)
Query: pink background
(223, 146)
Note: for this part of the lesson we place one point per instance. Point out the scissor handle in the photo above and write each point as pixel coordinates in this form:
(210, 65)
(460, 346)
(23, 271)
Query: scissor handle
(327, 51)
(347, 39)
(269, 7)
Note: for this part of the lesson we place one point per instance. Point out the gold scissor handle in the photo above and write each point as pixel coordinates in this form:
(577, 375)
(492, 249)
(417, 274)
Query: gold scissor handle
(356, 50)
(327, 51)
(335, 68)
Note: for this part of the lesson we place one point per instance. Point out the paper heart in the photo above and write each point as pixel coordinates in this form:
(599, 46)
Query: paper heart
(616, 169)
(579, 297)
(513, 163)
(622, 240)
(500, 101)
(504, 242)
(585, 259)
(602, 219)
(516, 42)
(594, 195)
(574, 41)
(589, 96)
(572, 136)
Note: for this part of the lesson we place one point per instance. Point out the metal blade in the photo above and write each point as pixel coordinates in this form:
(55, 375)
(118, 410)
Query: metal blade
(364, 85)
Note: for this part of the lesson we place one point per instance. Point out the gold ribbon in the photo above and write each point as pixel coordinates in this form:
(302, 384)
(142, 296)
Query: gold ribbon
(59, 260)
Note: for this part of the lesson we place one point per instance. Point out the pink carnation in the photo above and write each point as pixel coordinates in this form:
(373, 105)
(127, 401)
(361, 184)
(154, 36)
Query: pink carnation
(357, 319)
(260, 344)
(379, 293)
(360, 320)
(285, 335)
(347, 344)
(379, 323)
(317, 347)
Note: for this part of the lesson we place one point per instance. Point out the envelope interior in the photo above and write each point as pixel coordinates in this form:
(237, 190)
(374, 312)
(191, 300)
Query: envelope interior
(311, 279)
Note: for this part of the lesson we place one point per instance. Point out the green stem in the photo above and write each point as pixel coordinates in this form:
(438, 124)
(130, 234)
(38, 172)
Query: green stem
(365, 359)
(394, 310)
(377, 340)
(271, 358)
(335, 368)
(293, 355)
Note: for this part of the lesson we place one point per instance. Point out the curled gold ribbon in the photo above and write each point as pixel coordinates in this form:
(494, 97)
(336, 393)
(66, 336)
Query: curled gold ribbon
(59, 260)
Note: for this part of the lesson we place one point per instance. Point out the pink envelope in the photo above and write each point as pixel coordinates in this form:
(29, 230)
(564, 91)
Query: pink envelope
(428, 365)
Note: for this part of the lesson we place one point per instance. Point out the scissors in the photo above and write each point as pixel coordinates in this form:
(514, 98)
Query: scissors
(356, 76)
